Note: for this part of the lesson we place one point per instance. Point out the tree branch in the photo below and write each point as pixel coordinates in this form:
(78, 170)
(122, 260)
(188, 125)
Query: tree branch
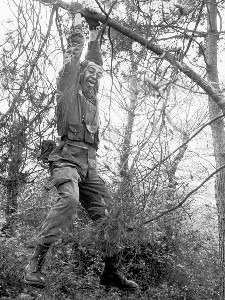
(211, 91)
(185, 143)
(185, 198)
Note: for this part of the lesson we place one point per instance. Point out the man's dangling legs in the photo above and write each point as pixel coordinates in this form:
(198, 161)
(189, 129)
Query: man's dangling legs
(93, 197)
(58, 219)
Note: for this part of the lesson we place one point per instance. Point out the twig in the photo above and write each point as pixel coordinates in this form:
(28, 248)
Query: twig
(58, 25)
(186, 142)
(186, 197)
(196, 25)
(107, 16)
(101, 8)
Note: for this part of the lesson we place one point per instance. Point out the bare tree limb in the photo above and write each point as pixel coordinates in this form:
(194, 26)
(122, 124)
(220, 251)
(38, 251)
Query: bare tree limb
(34, 63)
(185, 143)
(196, 26)
(216, 95)
(185, 198)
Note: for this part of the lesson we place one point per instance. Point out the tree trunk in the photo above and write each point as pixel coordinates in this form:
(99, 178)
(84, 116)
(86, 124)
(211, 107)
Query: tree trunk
(15, 177)
(125, 190)
(126, 146)
(218, 134)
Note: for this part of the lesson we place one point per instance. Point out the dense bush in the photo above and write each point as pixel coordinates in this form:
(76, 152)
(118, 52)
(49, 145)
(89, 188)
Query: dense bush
(11, 261)
(182, 268)
(73, 267)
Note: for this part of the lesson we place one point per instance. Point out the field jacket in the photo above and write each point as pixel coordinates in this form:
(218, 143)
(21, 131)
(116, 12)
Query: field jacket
(77, 117)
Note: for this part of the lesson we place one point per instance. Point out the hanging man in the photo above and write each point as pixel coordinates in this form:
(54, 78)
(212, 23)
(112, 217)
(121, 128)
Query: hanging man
(73, 162)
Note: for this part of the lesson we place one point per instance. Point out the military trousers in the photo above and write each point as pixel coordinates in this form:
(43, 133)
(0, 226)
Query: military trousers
(73, 188)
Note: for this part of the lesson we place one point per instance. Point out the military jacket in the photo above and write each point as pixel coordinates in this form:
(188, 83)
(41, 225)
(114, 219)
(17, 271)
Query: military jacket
(77, 117)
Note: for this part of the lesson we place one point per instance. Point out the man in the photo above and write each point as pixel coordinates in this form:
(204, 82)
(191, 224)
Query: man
(73, 162)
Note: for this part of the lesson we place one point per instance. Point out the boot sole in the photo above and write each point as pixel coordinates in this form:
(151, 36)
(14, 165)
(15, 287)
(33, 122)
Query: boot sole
(108, 287)
(32, 283)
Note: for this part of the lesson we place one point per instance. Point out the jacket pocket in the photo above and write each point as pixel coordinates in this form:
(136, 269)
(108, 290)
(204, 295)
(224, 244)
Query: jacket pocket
(75, 132)
(90, 134)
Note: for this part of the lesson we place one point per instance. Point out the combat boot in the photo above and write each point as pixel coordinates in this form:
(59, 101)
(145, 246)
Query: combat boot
(32, 273)
(111, 277)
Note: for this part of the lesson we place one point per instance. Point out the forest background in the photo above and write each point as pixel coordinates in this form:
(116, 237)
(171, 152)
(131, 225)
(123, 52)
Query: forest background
(161, 152)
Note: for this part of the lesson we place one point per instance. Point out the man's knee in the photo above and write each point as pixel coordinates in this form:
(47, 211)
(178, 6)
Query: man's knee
(68, 198)
(65, 175)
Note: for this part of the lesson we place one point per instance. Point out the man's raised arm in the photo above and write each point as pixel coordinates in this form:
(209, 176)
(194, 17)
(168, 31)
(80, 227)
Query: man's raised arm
(75, 41)
(68, 77)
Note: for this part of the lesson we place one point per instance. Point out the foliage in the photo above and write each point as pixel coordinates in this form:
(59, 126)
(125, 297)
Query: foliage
(164, 270)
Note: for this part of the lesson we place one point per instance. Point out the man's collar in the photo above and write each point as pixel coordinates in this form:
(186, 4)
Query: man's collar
(93, 99)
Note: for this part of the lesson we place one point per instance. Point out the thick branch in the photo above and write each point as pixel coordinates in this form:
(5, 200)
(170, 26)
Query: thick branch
(215, 94)
(205, 85)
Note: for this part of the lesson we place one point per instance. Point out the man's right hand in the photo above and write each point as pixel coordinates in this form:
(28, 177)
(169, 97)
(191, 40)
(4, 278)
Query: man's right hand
(92, 23)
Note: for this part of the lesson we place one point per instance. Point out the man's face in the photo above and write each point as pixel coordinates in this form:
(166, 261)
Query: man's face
(91, 79)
